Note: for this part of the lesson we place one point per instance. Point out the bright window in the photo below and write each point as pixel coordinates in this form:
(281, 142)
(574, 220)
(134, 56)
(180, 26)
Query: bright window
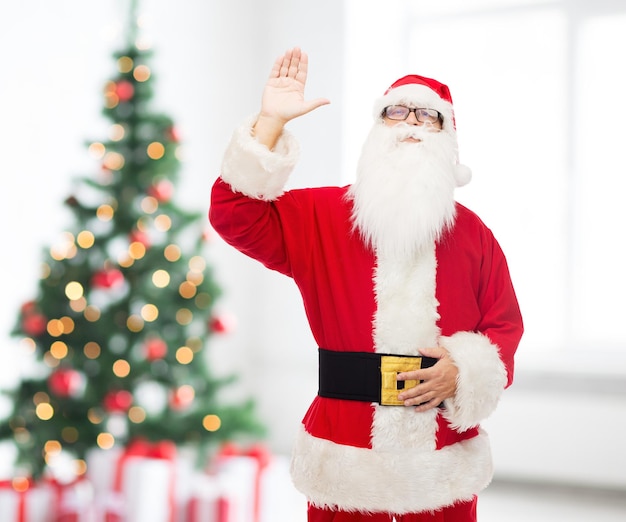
(537, 89)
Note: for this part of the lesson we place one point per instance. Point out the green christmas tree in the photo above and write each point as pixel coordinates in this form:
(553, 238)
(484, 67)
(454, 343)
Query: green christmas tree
(125, 305)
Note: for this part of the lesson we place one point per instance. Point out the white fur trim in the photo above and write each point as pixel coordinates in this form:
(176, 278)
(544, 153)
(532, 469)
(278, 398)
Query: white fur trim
(406, 313)
(252, 169)
(334, 476)
(462, 175)
(481, 380)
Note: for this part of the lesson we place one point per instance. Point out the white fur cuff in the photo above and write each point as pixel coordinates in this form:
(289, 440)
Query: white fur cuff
(481, 380)
(252, 169)
(335, 476)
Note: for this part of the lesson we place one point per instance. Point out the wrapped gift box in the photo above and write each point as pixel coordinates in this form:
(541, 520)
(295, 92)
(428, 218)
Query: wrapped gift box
(26, 502)
(256, 486)
(136, 484)
(208, 502)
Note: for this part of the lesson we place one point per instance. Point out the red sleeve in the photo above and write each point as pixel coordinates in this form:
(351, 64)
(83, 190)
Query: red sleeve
(253, 226)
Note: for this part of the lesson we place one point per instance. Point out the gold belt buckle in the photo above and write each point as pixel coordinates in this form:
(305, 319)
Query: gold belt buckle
(390, 366)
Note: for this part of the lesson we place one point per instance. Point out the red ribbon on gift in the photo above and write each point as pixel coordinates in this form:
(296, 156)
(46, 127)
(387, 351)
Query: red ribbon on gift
(62, 514)
(222, 513)
(263, 457)
(164, 449)
(21, 487)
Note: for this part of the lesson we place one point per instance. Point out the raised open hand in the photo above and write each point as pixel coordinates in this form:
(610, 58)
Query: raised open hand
(283, 95)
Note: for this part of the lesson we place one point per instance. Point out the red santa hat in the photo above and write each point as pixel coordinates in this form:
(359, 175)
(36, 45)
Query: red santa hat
(419, 91)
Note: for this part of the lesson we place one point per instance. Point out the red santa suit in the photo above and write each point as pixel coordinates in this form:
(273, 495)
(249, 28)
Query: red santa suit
(457, 294)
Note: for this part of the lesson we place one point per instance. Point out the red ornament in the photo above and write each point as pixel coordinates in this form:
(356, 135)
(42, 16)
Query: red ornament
(107, 278)
(161, 191)
(155, 348)
(208, 235)
(222, 324)
(136, 236)
(34, 324)
(182, 397)
(66, 382)
(124, 90)
(117, 401)
(172, 134)
(28, 307)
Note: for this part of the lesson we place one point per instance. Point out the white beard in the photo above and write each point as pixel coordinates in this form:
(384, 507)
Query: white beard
(404, 191)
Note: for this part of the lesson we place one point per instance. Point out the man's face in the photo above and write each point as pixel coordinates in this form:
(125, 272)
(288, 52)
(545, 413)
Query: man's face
(404, 191)
(422, 117)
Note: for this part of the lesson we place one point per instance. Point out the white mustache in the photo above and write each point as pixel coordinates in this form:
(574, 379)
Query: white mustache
(402, 131)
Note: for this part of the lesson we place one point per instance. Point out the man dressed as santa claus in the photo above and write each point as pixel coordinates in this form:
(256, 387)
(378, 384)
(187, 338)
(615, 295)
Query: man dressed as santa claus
(407, 293)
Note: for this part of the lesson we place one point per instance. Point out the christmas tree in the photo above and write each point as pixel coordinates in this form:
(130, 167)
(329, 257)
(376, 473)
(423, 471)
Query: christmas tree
(124, 310)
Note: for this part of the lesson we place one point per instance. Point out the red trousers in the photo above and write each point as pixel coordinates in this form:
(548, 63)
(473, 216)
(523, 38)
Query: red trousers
(460, 512)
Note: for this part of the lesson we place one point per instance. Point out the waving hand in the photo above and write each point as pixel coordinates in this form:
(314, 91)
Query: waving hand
(283, 96)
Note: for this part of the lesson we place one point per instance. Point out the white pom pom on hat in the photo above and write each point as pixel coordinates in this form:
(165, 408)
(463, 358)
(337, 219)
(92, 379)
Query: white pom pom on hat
(425, 92)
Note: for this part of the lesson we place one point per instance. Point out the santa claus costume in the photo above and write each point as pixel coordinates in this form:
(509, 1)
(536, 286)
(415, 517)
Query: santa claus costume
(366, 293)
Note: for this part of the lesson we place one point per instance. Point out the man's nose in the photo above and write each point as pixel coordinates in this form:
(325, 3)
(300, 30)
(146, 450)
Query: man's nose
(412, 119)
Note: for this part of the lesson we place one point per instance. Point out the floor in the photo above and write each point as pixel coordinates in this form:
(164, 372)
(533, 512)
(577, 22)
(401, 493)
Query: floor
(510, 502)
(507, 502)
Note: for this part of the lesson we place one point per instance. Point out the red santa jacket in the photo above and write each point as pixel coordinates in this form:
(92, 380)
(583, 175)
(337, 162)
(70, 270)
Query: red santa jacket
(457, 294)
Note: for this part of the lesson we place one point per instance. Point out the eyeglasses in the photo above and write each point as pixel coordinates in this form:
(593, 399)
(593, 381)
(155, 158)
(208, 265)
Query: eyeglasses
(401, 113)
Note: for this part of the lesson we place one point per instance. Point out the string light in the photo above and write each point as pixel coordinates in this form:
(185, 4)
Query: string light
(195, 343)
(85, 239)
(184, 355)
(149, 312)
(172, 253)
(40, 397)
(50, 361)
(117, 132)
(121, 368)
(187, 290)
(92, 313)
(141, 73)
(111, 99)
(73, 290)
(134, 323)
(105, 212)
(20, 484)
(95, 416)
(184, 316)
(136, 250)
(65, 249)
(155, 150)
(149, 204)
(92, 350)
(137, 414)
(44, 411)
(125, 64)
(195, 278)
(78, 305)
(97, 150)
(211, 422)
(105, 440)
(68, 324)
(163, 223)
(28, 345)
(80, 467)
(113, 160)
(197, 264)
(161, 278)
(55, 327)
(59, 350)
(52, 448)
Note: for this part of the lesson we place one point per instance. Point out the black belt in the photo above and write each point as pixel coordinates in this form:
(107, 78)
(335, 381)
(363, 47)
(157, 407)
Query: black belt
(366, 376)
